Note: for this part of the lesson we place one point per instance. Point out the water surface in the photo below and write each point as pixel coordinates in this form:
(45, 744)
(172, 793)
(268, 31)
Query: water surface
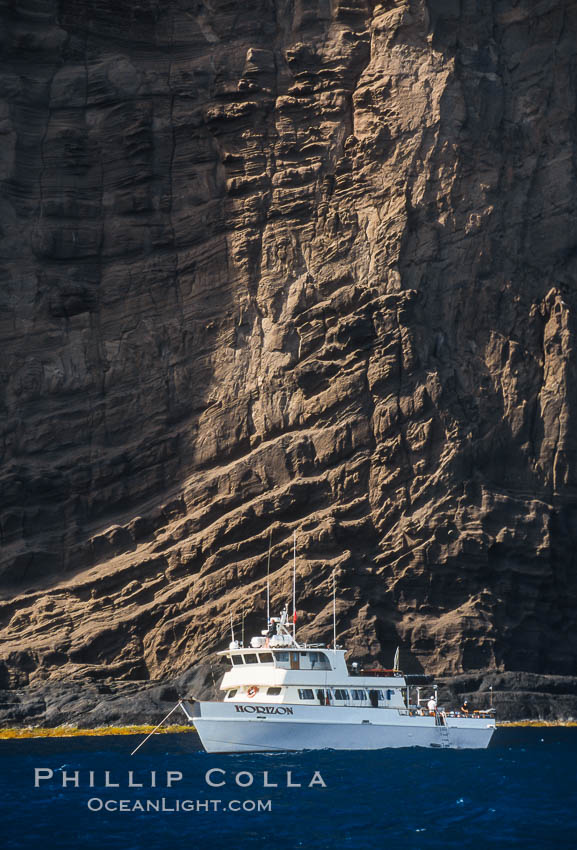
(521, 792)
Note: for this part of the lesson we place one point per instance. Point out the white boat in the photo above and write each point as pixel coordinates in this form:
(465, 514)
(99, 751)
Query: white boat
(280, 695)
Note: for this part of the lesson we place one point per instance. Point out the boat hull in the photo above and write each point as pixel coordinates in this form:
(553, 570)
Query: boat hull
(234, 728)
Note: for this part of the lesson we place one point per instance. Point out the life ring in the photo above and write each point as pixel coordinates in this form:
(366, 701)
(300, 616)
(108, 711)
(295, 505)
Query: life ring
(252, 691)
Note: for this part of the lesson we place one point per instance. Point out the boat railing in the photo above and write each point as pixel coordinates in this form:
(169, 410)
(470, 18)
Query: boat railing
(480, 713)
(415, 711)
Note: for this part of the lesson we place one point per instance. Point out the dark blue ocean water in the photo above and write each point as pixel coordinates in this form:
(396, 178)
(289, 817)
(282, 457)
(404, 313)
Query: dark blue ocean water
(521, 792)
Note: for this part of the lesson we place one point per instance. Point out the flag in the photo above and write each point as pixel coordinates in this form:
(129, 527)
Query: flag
(295, 617)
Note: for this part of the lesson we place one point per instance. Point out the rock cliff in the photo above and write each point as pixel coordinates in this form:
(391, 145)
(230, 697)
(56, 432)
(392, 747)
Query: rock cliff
(287, 265)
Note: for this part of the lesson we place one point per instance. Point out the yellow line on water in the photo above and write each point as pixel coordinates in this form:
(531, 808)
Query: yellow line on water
(75, 732)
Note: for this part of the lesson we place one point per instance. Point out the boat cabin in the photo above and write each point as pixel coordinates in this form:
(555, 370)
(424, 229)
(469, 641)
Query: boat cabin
(309, 675)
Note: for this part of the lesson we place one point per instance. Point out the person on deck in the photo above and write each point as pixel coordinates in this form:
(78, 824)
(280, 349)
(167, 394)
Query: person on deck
(432, 705)
(465, 708)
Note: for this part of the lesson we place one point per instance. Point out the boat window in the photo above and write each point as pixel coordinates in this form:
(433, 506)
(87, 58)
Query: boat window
(390, 694)
(319, 661)
(266, 658)
(251, 658)
(273, 692)
(232, 693)
(305, 693)
(339, 693)
(282, 656)
(237, 659)
(361, 695)
(380, 695)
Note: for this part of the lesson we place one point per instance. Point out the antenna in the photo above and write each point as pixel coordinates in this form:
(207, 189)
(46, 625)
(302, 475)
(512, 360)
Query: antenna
(267, 580)
(396, 661)
(294, 584)
(242, 631)
(231, 628)
(334, 611)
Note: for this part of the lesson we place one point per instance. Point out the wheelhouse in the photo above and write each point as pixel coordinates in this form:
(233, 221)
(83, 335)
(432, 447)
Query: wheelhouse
(293, 659)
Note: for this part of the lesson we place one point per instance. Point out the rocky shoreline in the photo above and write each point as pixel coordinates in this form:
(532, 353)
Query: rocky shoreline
(87, 705)
(516, 696)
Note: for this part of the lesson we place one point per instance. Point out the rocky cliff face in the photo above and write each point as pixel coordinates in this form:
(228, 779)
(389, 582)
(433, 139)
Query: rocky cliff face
(287, 265)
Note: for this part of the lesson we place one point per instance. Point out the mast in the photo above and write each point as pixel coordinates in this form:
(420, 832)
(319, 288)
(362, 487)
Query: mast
(268, 581)
(294, 584)
(334, 612)
(231, 628)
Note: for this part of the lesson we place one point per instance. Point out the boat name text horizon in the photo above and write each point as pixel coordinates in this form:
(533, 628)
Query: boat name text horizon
(264, 709)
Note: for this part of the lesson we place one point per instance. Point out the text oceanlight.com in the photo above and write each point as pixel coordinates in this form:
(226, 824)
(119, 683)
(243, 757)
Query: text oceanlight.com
(97, 804)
